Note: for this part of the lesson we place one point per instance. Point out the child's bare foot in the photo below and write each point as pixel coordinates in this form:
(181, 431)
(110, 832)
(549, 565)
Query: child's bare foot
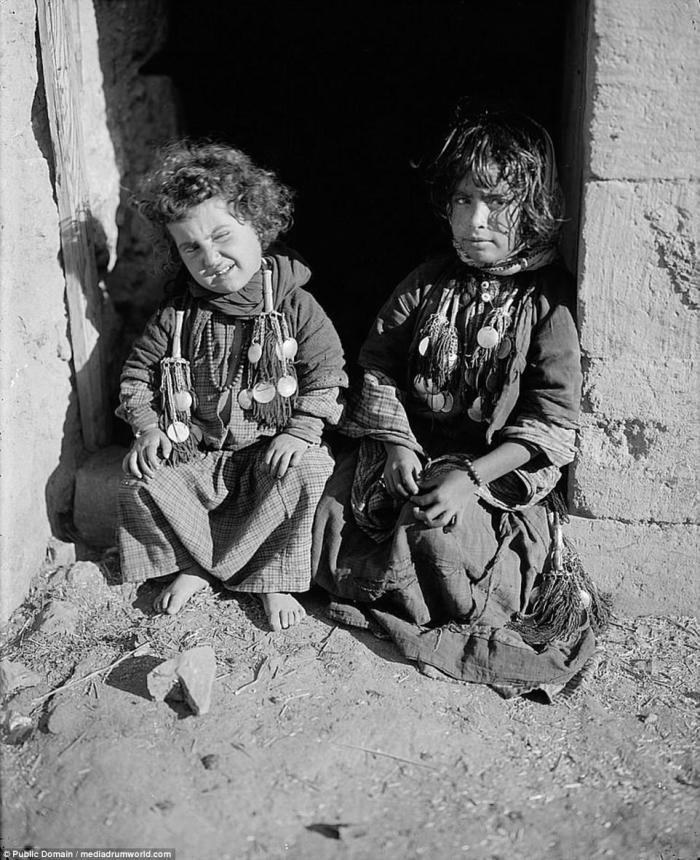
(282, 610)
(174, 596)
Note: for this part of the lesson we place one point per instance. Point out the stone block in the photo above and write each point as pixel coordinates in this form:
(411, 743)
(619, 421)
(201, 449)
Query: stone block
(95, 501)
(646, 66)
(650, 569)
(638, 321)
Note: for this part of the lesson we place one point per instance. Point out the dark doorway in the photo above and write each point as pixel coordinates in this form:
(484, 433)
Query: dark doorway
(341, 99)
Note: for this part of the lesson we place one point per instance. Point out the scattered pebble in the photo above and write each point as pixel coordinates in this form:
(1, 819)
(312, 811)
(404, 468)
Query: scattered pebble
(197, 670)
(192, 672)
(16, 676)
(210, 761)
(58, 616)
(85, 574)
(16, 726)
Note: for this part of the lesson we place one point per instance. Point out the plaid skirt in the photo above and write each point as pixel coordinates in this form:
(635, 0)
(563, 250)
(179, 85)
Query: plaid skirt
(225, 513)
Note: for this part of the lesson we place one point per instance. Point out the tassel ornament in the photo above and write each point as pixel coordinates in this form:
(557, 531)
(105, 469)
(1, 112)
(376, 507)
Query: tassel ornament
(567, 598)
(270, 376)
(438, 344)
(177, 399)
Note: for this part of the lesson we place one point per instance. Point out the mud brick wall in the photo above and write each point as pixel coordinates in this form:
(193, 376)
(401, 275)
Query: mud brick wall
(122, 113)
(634, 483)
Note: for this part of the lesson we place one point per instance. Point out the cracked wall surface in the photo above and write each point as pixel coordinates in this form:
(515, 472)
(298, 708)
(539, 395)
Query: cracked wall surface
(634, 486)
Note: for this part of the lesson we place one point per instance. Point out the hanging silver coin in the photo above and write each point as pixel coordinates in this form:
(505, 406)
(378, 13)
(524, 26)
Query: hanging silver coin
(254, 353)
(182, 401)
(487, 337)
(504, 348)
(469, 377)
(423, 345)
(286, 385)
(436, 402)
(245, 399)
(451, 359)
(290, 348)
(449, 403)
(492, 382)
(178, 432)
(264, 392)
(474, 411)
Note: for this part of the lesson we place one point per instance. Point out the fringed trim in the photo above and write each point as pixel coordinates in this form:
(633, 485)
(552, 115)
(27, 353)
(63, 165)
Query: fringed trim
(567, 598)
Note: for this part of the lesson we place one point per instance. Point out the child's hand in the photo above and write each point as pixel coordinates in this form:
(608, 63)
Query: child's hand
(441, 499)
(284, 452)
(147, 453)
(402, 471)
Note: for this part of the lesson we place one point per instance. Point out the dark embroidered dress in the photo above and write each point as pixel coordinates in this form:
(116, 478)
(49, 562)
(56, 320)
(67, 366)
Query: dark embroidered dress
(447, 596)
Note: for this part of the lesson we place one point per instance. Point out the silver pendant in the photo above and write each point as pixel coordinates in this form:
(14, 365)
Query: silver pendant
(182, 401)
(254, 353)
(486, 292)
(504, 348)
(264, 392)
(178, 431)
(474, 411)
(290, 348)
(423, 345)
(245, 399)
(436, 402)
(487, 337)
(286, 385)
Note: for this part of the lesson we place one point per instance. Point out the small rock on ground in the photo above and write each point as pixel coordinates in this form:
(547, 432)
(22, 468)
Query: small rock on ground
(192, 672)
(58, 616)
(85, 574)
(16, 676)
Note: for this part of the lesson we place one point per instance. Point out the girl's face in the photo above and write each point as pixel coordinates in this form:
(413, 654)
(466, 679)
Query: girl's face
(484, 224)
(221, 253)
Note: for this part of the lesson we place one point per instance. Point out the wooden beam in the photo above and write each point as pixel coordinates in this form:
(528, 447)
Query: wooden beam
(59, 36)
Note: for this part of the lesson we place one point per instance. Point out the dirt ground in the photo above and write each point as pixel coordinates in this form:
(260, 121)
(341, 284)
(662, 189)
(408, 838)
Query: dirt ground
(322, 742)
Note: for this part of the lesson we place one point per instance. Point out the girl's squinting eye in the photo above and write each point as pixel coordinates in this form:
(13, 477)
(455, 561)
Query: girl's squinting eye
(224, 234)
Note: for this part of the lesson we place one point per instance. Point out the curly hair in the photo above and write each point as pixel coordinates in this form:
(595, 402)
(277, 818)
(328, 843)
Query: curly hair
(189, 172)
(522, 152)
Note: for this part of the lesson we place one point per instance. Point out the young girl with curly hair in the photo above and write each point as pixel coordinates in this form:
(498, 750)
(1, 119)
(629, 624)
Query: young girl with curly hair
(227, 392)
(433, 526)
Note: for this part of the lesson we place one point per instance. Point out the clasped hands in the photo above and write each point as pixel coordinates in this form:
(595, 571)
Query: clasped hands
(438, 501)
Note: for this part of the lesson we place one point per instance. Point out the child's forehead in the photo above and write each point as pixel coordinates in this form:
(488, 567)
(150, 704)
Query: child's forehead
(489, 180)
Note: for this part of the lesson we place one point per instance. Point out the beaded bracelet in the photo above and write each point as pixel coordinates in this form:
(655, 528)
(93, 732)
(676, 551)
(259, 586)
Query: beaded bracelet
(471, 471)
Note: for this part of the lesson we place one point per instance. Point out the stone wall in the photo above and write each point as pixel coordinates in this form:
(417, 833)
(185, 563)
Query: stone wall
(123, 114)
(634, 487)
